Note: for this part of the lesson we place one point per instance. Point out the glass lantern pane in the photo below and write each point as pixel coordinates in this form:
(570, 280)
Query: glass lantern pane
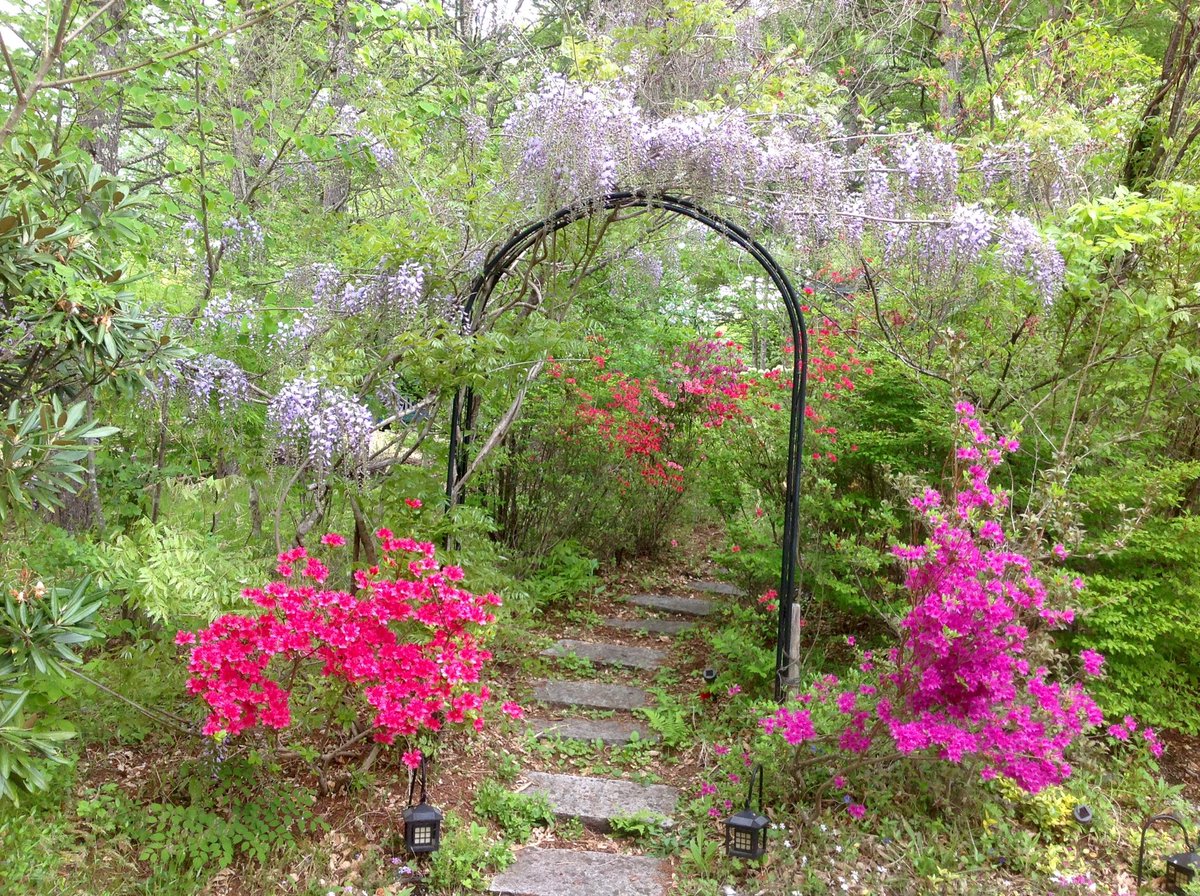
(422, 835)
(742, 841)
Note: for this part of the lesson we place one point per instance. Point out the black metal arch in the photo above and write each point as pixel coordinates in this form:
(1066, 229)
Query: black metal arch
(502, 259)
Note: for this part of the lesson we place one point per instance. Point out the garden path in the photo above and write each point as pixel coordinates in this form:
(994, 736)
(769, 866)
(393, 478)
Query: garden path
(594, 801)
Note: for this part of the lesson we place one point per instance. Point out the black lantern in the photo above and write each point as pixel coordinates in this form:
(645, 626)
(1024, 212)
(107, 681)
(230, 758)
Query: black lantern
(422, 822)
(709, 675)
(1181, 871)
(746, 832)
(1182, 867)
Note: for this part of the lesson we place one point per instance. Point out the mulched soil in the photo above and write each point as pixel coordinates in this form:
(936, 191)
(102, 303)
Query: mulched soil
(1180, 763)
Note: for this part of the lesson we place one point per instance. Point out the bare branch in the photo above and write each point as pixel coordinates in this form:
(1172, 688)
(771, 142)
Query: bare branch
(502, 427)
(104, 7)
(12, 70)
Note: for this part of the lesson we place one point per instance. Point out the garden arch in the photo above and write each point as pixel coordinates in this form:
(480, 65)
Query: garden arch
(502, 259)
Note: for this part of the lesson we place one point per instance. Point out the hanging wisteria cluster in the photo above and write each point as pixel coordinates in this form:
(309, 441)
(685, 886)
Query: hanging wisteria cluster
(804, 178)
(476, 129)
(206, 377)
(350, 129)
(393, 294)
(323, 425)
(1024, 252)
(242, 236)
(228, 313)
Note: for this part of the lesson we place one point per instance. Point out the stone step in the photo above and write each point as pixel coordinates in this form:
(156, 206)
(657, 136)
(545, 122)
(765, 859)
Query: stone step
(669, 603)
(570, 872)
(609, 731)
(609, 654)
(716, 588)
(651, 626)
(596, 801)
(590, 695)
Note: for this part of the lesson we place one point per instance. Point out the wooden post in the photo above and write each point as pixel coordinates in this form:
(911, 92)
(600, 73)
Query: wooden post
(792, 676)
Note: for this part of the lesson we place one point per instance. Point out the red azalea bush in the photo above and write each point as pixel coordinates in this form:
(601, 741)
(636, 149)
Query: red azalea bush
(410, 638)
(657, 425)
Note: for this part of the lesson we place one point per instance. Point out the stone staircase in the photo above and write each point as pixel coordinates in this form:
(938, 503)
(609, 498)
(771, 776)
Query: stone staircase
(594, 802)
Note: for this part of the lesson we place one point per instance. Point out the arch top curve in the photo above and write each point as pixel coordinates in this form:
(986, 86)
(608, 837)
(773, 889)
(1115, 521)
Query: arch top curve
(500, 261)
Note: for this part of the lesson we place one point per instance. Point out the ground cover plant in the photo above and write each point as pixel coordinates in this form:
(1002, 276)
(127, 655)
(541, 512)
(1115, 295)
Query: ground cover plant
(240, 246)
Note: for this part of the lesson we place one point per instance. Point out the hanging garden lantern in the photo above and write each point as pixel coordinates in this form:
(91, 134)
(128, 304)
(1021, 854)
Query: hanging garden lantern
(746, 832)
(1181, 871)
(422, 822)
(1182, 868)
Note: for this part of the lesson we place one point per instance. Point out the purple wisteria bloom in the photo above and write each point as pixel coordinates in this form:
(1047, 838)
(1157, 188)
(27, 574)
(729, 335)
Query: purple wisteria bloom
(324, 425)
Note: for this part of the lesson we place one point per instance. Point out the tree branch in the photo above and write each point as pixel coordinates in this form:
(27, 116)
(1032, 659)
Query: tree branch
(190, 48)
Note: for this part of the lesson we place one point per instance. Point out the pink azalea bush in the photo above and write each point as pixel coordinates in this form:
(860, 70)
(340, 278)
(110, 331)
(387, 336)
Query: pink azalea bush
(971, 679)
(410, 639)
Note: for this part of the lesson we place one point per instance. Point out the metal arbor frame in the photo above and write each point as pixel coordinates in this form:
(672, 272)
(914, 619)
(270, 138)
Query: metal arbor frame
(501, 260)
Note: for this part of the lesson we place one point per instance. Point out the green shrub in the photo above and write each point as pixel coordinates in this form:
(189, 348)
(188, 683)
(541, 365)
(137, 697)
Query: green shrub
(247, 815)
(1142, 616)
(564, 573)
(175, 575)
(468, 858)
(517, 814)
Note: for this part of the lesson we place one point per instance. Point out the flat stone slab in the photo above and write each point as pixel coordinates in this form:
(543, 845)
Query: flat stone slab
(651, 626)
(569, 872)
(596, 801)
(590, 695)
(609, 731)
(609, 654)
(716, 588)
(669, 603)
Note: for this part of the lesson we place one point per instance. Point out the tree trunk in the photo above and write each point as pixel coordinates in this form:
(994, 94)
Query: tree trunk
(103, 102)
(1159, 142)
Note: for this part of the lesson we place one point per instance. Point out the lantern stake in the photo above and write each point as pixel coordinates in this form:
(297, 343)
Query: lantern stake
(1185, 861)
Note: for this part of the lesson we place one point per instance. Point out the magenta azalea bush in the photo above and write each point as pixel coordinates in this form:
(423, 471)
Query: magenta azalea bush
(975, 678)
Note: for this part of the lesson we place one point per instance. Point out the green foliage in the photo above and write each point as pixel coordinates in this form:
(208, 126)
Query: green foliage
(1141, 615)
(32, 833)
(565, 572)
(669, 718)
(517, 814)
(242, 817)
(468, 858)
(746, 646)
(67, 329)
(1048, 811)
(41, 630)
(701, 855)
(40, 453)
(642, 826)
(174, 575)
